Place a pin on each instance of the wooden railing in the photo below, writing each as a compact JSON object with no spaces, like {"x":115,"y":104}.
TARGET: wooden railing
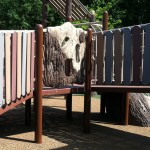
{"x":17,"y":59}
{"x":123,"y":59}
{"x":17,"y":65}
{"x":123,"y":56}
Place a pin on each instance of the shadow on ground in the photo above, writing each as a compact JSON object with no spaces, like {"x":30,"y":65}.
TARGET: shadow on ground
{"x":70,"y":133}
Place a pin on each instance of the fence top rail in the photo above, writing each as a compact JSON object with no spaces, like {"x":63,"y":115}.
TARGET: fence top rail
{"x":45,"y":30}
{"x":87,"y":23}
{"x":142,"y":25}
{"x":12,"y":31}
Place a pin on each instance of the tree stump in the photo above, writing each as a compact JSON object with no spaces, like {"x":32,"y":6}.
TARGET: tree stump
{"x":139,"y":113}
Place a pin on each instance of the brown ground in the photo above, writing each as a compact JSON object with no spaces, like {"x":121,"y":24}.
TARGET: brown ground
{"x":59,"y":134}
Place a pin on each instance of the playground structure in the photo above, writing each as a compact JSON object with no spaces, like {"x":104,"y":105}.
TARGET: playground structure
{"x":123,"y":61}
{"x":122,"y":66}
{"x":17,"y":70}
{"x":70,"y":10}
{"x":20,"y":50}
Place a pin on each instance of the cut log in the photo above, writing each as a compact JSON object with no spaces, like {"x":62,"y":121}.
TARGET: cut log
{"x":64,"y":48}
{"x":139,"y":109}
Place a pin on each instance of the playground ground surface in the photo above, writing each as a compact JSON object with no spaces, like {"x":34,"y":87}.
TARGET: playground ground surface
{"x":61,"y":134}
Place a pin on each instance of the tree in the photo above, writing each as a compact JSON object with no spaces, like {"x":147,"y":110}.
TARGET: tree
{"x":121,"y":12}
{"x":99,"y":6}
{"x":16,"y":14}
{"x":135,"y":11}
{"x":24,"y":14}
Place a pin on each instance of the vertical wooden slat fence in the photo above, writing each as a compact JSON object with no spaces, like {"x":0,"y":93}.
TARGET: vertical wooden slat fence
{"x":17,"y":70}
{"x":117,"y":57}
{"x":109,"y":57}
{"x":32,"y":59}
{"x":28,"y":75}
{"x":127,"y":52}
{"x":123,"y":56}
{"x":19,"y":63}
{"x":24,"y":61}
{"x":137,"y":54}
{"x":14,"y":66}
{"x":8,"y":67}
{"x":1,"y":68}
{"x":146,"y":56}
{"x":100,"y":58}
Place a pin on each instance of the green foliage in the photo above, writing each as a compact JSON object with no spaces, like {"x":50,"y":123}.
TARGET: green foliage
{"x":99,"y":6}
{"x":135,"y":11}
{"x":121,"y":12}
{"x":24,"y":14}
{"x":53,"y":17}
{"x":19,"y":14}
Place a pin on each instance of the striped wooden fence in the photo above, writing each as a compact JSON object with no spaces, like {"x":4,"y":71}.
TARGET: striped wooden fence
{"x":123,"y":56}
{"x":17,"y":73}
{"x":16,"y":65}
{"x":123,"y":60}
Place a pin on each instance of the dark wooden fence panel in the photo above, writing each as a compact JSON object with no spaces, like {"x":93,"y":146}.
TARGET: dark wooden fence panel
{"x":137,"y":54}
{"x":109,"y":58}
{"x":117,"y":57}
{"x":146,"y":56}
{"x":127,"y":60}
{"x":100,"y":58}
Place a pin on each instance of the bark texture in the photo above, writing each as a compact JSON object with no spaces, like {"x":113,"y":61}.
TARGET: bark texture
{"x":139,"y":109}
{"x":62,"y":44}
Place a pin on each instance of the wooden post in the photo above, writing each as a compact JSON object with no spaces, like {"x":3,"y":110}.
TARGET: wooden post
{"x":28,"y":112}
{"x":105,"y":27}
{"x":92,"y":19}
{"x":69,"y":10}
{"x":69,"y":106}
{"x":44,"y":13}
{"x":126,"y":110}
{"x":87,"y":93}
{"x":105,"y":20}
{"x":68,"y":63}
{"x":38,"y":86}
{"x":69,"y":19}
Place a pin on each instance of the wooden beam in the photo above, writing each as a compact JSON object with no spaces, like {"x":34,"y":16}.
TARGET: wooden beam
{"x":38,"y":86}
{"x":87,"y":94}
{"x":44,"y":13}
{"x":69,"y":10}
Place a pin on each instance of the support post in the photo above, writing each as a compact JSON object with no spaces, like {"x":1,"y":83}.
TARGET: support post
{"x":102,"y":104}
{"x":68,"y":63}
{"x":87,"y":93}
{"x":38,"y":86}
{"x":69,"y":19}
{"x":44,"y":13}
{"x":126,"y":110}
{"x":105,"y":27}
{"x":28,"y":112}
{"x":105,"y":20}
{"x":69,"y":106}
{"x":69,"y":10}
